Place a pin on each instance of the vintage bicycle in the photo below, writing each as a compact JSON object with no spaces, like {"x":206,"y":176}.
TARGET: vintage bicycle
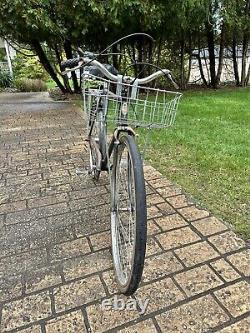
{"x":126,"y":103}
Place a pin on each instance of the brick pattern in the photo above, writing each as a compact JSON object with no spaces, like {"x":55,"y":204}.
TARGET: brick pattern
{"x":55,"y":259}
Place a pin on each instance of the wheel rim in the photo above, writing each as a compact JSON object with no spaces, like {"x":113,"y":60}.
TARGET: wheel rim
{"x":123,"y":217}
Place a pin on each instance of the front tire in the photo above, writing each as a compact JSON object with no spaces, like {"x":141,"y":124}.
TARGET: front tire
{"x":128,"y":215}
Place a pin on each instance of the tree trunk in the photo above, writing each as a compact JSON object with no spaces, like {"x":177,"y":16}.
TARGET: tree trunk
{"x":189,"y":69}
{"x":140,"y":57}
{"x":245,"y":43}
{"x":159,"y":48}
{"x":244,"y":60}
{"x":46,"y":64}
{"x":210,"y":43}
{"x":182,"y":65}
{"x":69,"y":55}
{"x":235,"y":63}
{"x":64,"y":77}
{"x":115,"y":56}
{"x":120,"y":57}
{"x":221,"y":55}
{"x":201,"y":68}
{"x":247,"y":76}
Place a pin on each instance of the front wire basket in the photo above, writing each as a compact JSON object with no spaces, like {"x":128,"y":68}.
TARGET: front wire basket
{"x":137,"y":107}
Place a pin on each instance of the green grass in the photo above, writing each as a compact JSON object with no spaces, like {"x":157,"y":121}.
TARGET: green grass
{"x":50,"y":84}
{"x":207,"y":152}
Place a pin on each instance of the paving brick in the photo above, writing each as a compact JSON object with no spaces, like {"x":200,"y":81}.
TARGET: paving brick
{"x":85,"y":228}
{"x":153,"y":212}
{"x":160,"y":265}
{"x":26,"y":310}
{"x":200,"y":315}
{"x":23,"y":180}
{"x":51,"y":235}
{"x":87,"y":264}
{"x":36,"y":213}
{"x":10,"y":287}
{"x":88,"y":192}
{"x":225,"y":270}
{"x":53,"y":190}
{"x":159,"y":182}
{"x":57,"y":173}
{"x":78,"y":293}
{"x":12,"y":206}
{"x":198,"y":280}
{"x":209,"y":226}
{"x":154,"y":199}
{"x":236,"y":298}
{"x":171,"y":222}
{"x":241,"y":260}
{"x":25,"y":261}
{"x":179,"y":201}
{"x":103,"y":319}
{"x":196,"y":253}
{"x":13,"y":174}
{"x":101,"y":240}
{"x":165,"y":208}
{"x":227,"y":242}
{"x":69,"y":249}
{"x":157,"y":298}
{"x":146,"y":326}
{"x":169,"y":191}
{"x":178,"y":237}
{"x":241,"y":326}
{"x":45,"y":277}
{"x":32,"y":329}
{"x":1,"y":220}
{"x":193,"y":213}
{"x":91,"y":202}
{"x":150,"y":173}
{"x":65,"y":219}
{"x":48,"y":200}
{"x":72,"y":322}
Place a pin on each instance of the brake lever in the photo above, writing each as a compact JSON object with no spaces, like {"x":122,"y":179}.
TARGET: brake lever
{"x":173,"y":82}
{"x":80,"y":51}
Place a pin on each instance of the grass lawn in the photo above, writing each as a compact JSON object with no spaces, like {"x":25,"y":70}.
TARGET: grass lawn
{"x":207,"y":152}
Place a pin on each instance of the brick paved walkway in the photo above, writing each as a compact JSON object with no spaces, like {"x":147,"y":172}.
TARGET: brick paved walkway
{"x":55,"y":262}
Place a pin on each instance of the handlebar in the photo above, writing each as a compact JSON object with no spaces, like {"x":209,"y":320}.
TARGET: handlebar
{"x":70,"y":63}
{"x":77,"y":63}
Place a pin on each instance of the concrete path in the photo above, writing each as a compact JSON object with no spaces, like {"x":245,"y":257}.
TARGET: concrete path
{"x":55,"y":261}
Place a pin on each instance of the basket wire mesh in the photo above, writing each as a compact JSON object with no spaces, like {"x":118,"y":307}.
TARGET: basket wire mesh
{"x":130,"y":105}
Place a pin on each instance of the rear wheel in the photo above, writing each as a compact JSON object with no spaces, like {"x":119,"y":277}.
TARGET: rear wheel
{"x":128,"y":216}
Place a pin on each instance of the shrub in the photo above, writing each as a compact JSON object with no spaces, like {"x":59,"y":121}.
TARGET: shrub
{"x":5,"y":79}
{"x":26,"y":85}
{"x":28,"y":68}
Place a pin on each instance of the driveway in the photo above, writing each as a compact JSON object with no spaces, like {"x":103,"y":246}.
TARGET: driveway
{"x":55,"y":260}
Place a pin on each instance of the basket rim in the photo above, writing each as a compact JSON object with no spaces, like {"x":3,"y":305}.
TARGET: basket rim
{"x":92,"y":77}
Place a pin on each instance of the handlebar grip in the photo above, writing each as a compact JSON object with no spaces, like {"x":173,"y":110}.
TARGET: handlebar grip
{"x":69,"y":63}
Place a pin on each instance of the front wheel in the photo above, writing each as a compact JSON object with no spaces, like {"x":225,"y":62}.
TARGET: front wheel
{"x":128,"y":215}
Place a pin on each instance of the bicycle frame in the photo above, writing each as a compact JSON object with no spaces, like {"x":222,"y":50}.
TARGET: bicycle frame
{"x":103,"y":163}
